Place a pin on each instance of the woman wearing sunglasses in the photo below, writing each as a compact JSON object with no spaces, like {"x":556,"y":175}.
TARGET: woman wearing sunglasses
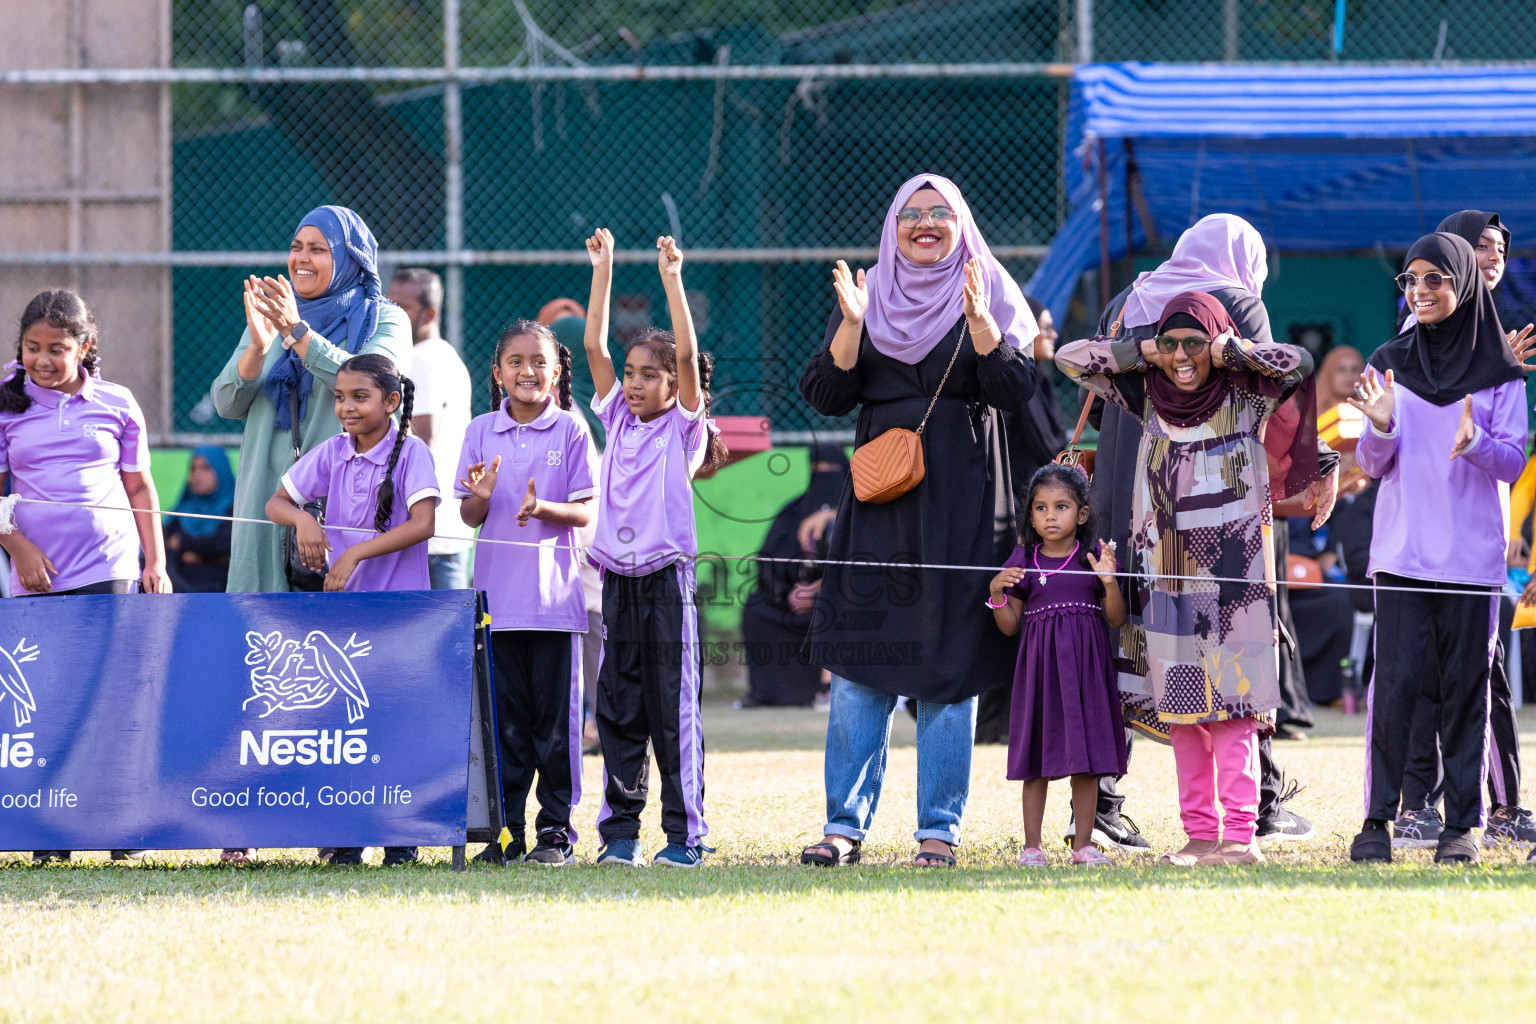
{"x":1200,"y":521}
{"x":1418,"y":823}
{"x":1224,"y":256}
{"x":1447,"y":410}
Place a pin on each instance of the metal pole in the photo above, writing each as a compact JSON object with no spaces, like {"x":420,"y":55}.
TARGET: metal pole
{"x":1084,"y":31}
{"x":1231,"y":28}
{"x":1104,"y":293}
{"x":453,"y":178}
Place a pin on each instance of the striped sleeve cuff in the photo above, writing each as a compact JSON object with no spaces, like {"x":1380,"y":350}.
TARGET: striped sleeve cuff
{"x":425,"y":492}
{"x":293,"y":492}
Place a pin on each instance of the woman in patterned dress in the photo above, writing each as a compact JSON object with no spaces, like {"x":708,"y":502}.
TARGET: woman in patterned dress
{"x":1200,"y":545}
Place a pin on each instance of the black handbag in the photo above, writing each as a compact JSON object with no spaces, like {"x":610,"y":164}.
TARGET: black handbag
{"x":300,"y":576}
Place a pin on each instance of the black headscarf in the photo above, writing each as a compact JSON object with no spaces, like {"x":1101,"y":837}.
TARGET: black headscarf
{"x":1466,"y":352}
{"x":1469,"y":224}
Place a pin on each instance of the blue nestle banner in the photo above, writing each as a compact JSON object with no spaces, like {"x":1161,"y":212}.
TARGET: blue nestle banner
{"x":198,"y":721}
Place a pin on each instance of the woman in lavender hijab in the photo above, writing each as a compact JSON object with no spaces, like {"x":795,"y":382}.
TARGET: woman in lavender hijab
{"x":936,"y":295}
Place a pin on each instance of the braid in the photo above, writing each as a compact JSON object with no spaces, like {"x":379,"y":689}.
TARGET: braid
{"x":717,"y":453}
{"x":386,"y":507}
{"x":563,"y":385}
{"x":496,"y":393}
{"x":13,"y":393}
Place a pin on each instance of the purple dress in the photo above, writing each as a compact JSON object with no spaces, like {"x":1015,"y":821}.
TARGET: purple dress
{"x":1066,"y":701}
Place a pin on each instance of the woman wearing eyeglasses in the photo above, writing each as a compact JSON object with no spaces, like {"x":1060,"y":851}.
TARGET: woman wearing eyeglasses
{"x":936,"y":316}
{"x":1418,"y":821}
{"x":1447,"y":409}
{"x":1200,"y":544}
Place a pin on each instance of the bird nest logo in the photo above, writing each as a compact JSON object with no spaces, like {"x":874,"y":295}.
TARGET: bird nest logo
{"x":287,"y":675}
{"x":14,"y":683}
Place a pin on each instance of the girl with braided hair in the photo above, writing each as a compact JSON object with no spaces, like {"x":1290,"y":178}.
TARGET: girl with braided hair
{"x":372,"y":456}
{"x":371,"y":544}
{"x":68,"y":436}
{"x":533,"y":584}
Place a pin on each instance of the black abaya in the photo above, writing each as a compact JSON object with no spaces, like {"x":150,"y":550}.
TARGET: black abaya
{"x":922,"y":633}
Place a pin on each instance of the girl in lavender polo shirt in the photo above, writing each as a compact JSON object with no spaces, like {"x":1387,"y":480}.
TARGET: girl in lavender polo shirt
{"x":1447,"y":409}
{"x":380,"y":490}
{"x":68,"y":436}
{"x":538,"y":609}
{"x":648,"y":686}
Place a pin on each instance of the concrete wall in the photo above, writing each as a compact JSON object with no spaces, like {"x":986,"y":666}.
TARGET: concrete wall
{"x":87,"y":168}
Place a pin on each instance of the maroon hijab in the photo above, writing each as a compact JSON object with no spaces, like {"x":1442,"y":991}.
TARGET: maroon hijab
{"x":1174,"y":404}
{"x":1289,"y":435}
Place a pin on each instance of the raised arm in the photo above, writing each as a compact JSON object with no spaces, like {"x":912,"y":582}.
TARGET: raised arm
{"x":1285,"y":365}
{"x":238,"y":384}
{"x":669,"y":261}
{"x":595,"y":340}
{"x":1376,"y":398}
{"x":1095,"y":362}
{"x":853,"y":301}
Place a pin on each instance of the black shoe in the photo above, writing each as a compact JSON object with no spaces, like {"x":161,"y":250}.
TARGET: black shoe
{"x":128,"y":854}
{"x":44,"y":856}
{"x":552,"y":850}
{"x":1283,"y":825}
{"x":1456,"y":847}
{"x":1112,"y":832}
{"x":394,"y":856}
{"x":346,"y":857}
{"x":492,"y":854}
{"x":1372,"y":846}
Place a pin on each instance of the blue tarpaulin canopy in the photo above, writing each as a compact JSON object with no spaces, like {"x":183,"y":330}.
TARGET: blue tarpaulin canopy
{"x":1318,"y":158}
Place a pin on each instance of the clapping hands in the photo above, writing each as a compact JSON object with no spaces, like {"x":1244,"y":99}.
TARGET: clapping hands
{"x":1375,"y":399}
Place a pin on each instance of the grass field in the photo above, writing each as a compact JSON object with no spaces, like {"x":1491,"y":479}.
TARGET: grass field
{"x":754,"y":936}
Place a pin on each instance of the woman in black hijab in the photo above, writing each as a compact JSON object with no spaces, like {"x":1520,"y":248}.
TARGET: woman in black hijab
{"x":1447,"y":386}
{"x":1419,"y":822}
{"x":777,"y":615}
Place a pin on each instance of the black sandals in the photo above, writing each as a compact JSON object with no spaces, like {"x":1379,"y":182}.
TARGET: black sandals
{"x":828,"y":854}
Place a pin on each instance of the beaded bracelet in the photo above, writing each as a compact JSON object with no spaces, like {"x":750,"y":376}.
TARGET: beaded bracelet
{"x":997,"y":606}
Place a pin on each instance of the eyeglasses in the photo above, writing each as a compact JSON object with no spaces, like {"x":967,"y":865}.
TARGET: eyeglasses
{"x":912,"y":215}
{"x":1432,"y":280}
{"x":1192,"y":346}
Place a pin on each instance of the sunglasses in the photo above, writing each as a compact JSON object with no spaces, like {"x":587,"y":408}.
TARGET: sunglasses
{"x":1432,"y":280}
{"x":1192,"y":346}
{"x":912,"y":215}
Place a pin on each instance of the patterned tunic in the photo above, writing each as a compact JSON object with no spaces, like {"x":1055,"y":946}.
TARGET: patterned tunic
{"x":1201,"y":509}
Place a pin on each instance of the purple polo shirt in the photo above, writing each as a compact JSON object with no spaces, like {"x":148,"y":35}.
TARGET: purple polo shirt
{"x":530,"y":587}
{"x":1439,"y":518}
{"x":75,"y":448}
{"x":350,"y":484}
{"x":645,"y":518}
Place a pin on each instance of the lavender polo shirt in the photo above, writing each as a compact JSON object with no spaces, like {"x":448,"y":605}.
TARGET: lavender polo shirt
{"x":1439,"y":518}
{"x":645,"y":518}
{"x":350,"y":484}
{"x":530,"y":587}
{"x":75,"y":448}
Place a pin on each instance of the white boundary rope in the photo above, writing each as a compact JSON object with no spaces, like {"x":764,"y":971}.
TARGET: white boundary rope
{"x":1487,"y":591}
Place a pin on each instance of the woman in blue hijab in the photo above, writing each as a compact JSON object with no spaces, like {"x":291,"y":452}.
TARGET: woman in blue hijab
{"x":198,"y":549}
{"x":299,"y":329}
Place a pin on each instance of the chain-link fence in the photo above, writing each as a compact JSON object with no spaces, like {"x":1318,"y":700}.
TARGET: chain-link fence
{"x":486,"y":138}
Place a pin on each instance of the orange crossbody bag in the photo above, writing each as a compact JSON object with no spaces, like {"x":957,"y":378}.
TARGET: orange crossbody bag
{"x":890,"y":465}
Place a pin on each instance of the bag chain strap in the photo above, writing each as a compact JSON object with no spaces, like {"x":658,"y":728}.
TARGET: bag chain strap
{"x":965,"y":331}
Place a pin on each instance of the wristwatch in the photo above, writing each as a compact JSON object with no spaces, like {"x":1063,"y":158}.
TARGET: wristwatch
{"x":296,"y":335}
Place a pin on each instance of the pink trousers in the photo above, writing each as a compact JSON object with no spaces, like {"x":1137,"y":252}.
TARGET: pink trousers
{"x":1218,"y":760}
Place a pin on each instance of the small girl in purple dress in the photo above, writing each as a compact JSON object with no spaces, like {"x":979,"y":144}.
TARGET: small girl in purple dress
{"x":1066,"y":702}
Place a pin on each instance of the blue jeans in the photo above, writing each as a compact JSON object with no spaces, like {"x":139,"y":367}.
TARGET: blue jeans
{"x":447,"y":572}
{"x":858,"y":739}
